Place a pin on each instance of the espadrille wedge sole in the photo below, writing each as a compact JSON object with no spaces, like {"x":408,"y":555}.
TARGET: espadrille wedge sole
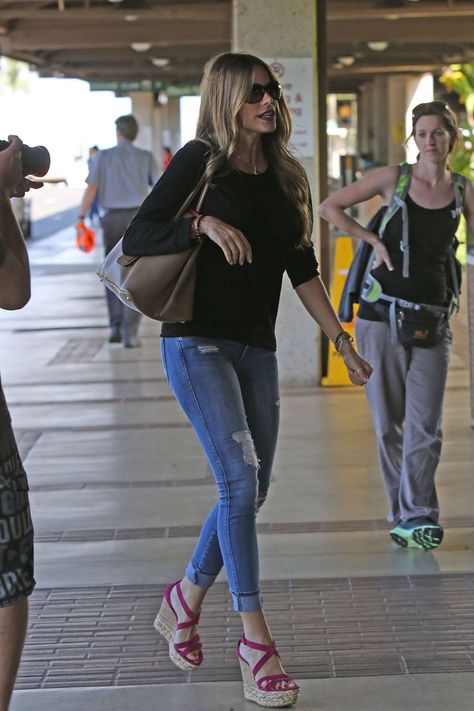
{"x":265,"y":691}
{"x":166,"y":623}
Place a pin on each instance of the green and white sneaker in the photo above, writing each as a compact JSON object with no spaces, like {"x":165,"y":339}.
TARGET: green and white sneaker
{"x":417,"y":533}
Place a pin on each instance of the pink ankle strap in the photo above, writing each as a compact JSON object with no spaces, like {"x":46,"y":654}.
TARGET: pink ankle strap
{"x":184,"y":605}
{"x":266,"y":683}
{"x":269,"y":649}
{"x":194,"y":618}
{"x":257,"y":646}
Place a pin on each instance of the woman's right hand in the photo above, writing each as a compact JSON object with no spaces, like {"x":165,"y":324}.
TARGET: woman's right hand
{"x":235,"y":246}
{"x":381,"y":255}
{"x":358,"y":369}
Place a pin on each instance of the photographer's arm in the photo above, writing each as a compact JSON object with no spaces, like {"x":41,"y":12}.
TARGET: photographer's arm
{"x":14,"y":265}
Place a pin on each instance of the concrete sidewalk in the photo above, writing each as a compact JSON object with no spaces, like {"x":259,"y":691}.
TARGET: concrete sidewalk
{"x":119,"y":488}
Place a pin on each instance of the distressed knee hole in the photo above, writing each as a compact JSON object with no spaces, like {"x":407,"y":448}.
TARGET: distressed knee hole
{"x":244,"y":438}
{"x":277,"y":403}
{"x":208,"y":348}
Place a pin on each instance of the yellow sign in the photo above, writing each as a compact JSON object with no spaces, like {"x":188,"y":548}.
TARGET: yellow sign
{"x":337,"y":371}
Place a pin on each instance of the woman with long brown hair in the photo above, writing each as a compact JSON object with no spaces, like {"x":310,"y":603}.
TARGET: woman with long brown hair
{"x":255,"y":224}
{"x":409,"y":291}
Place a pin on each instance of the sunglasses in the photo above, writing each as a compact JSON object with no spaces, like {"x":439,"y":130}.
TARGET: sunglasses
{"x":258,"y":91}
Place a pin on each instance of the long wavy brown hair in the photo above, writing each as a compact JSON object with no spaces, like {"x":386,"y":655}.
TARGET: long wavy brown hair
{"x":225,"y":87}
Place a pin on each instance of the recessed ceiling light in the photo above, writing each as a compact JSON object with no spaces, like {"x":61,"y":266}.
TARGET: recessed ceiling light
{"x":347,"y":60}
{"x":141,"y":46}
{"x":379,"y":46}
{"x":115,"y":0}
{"x":160,"y":61}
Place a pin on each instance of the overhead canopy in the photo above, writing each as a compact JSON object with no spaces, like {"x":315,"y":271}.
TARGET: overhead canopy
{"x":168,"y":41}
{"x":103,"y":40}
{"x":407,"y":36}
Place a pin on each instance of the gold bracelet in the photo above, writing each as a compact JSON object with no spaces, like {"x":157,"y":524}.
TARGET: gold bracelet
{"x":341,"y":338}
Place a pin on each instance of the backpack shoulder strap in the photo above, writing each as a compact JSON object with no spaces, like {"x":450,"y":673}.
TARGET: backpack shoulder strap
{"x":399,"y":195}
{"x":398,"y":203}
{"x":459,"y":183}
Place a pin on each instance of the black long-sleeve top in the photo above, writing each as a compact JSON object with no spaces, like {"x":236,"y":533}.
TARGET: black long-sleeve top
{"x":232,"y":302}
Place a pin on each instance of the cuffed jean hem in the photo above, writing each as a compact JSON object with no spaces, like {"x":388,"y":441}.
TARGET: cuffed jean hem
{"x":196,"y":576}
{"x":247,"y":603}
{"x":241,"y":603}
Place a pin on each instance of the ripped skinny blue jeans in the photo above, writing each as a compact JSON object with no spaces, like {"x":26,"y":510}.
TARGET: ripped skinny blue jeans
{"x":229,"y":392}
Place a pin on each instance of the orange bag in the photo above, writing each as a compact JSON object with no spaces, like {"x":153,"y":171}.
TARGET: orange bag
{"x":85,"y":240}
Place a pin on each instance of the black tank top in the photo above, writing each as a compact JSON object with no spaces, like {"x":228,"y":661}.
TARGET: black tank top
{"x":430,"y":236}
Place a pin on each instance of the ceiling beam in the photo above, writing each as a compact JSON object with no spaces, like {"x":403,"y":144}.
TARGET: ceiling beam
{"x":422,"y":11}
{"x":108,"y":55}
{"x":195,"y":12}
{"x":431,"y":30}
{"x":363,"y":70}
{"x":183,"y":74}
{"x":76,"y":37}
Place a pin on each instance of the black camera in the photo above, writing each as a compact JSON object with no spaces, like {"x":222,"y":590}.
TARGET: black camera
{"x":34,"y":161}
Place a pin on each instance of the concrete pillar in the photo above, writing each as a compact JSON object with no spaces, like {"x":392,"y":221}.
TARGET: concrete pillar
{"x":169,"y":125}
{"x":166,"y":128}
{"x":159,"y":123}
{"x":278,"y":30}
{"x":396,"y":110}
{"x":418,"y":89}
{"x":364,"y":120}
{"x":143,"y":107}
{"x":380,"y":134}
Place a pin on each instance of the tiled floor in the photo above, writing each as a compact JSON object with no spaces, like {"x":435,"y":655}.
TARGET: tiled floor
{"x":341,"y":627}
{"x":118,"y":490}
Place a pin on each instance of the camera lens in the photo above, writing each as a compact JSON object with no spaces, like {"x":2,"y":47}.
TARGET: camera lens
{"x":34,"y":161}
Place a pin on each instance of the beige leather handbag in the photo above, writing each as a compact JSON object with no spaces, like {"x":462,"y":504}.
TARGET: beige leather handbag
{"x":160,"y":286}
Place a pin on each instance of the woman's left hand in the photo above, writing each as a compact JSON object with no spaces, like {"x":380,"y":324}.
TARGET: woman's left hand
{"x":358,"y":368}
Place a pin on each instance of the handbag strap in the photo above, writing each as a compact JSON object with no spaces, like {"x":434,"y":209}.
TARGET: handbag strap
{"x":203,"y":185}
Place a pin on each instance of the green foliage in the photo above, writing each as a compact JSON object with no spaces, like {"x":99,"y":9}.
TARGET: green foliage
{"x":13,"y":75}
{"x":459,"y":78}
{"x":461,"y":159}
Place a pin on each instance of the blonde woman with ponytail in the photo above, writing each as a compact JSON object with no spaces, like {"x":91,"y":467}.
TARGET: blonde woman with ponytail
{"x":255,"y":224}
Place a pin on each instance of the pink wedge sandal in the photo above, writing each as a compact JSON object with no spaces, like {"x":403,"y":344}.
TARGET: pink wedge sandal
{"x":265,"y":691}
{"x":166,"y":623}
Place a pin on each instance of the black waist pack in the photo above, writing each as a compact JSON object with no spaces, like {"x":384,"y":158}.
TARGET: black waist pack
{"x":415,"y":327}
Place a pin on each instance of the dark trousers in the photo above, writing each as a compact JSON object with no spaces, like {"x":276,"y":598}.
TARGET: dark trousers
{"x":114,"y":224}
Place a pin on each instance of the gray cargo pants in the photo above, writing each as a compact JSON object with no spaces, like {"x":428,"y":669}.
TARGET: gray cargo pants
{"x":114,"y":224}
{"x":405,"y":394}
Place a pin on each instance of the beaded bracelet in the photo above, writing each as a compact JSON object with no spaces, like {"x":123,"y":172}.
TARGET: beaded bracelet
{"x":342,"y":337}
{"x":196,"y":225}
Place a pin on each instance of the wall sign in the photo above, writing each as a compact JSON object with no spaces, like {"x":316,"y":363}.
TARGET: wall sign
{"x":296,"y":77}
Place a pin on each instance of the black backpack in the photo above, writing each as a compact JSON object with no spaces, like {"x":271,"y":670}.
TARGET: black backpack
{"x":362,"y":262}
